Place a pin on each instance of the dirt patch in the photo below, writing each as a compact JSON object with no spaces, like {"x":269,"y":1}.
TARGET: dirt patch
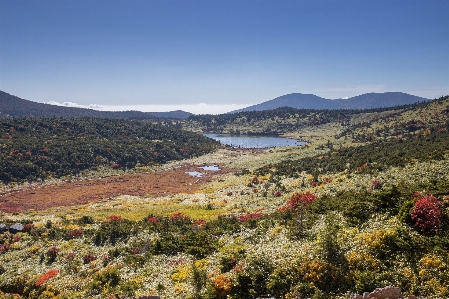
{"x":159,"y":183}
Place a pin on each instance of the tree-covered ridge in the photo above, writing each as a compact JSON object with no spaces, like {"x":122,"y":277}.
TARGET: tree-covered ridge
{"x":409,"y":122}
{"x":39,"y":148}
{"x":286,"y":119}
{"x":12,"y":106}
{"x":371,"y":158}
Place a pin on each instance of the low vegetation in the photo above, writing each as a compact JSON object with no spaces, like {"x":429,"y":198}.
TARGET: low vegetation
{"x":344,"y":214}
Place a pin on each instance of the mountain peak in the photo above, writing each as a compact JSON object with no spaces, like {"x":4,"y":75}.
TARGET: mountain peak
{"x":311,"y":101}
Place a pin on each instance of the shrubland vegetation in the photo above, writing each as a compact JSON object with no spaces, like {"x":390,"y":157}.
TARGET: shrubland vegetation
{"x":351,"y":211}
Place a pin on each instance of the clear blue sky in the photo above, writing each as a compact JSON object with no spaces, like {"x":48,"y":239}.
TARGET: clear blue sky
{"x":220,"y":52}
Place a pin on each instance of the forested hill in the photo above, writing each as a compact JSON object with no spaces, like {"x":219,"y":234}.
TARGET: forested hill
{"x":39,"y":148}
{"x":281,"y":120}
{"x":12,"y":106}
{"x":364,"y":101}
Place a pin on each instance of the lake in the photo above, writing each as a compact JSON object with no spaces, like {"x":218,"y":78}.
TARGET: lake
{"x":254,"y":141}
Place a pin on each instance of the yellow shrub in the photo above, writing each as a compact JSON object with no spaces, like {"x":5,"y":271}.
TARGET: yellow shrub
{"x":361,"y":260}
{"x":182,"y":273}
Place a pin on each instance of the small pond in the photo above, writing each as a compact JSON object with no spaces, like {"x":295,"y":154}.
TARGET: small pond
{"x":210,"y":167}
{"x":195,"y":174}
{"x":206,"y":168}
{"x":254,"y":141}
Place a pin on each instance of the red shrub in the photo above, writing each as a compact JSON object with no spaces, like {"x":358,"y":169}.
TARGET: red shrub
{"x":28,"y":227}
{"x":153,"y":220}
{"x":200,"y":222}
{"x":46,"y":277}
{"x":89,"y":258}
{"x":255,"y":180}
{"x":300,"y":200}
{"x":4,"y":247}
{"x":134,"y":251}
{"x":249,"y":216}
{"x":375,"y":185}
{"x":74,"y":233}
{"x":426,"y":214}
{"x":179,"y":216}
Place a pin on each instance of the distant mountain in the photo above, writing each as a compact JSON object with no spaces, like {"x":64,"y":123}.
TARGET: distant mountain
{"x":12,"y":106}
{"x":310,"y":101}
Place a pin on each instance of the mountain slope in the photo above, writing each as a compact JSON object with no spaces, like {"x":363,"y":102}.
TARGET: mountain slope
{"x":12,"y":106}
{"x":310,"y":101}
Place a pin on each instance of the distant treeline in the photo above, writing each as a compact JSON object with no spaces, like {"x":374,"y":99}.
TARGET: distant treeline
{"x":38,"y":148}
{"x":282,"y":120}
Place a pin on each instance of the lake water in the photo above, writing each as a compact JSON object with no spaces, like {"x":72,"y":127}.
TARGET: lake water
{"x":254,"y":141}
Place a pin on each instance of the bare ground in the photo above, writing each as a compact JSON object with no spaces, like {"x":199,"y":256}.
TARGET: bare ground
{"x":163,"y":182}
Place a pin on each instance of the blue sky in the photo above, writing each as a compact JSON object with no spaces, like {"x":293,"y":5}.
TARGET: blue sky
{"x":168,"y":54}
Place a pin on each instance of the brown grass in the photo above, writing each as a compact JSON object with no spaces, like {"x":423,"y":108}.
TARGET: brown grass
{"x":158,"y":183}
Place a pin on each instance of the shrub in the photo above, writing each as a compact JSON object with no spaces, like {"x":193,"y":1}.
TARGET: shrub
{"x":222,"y":285}
{"x":74,"y":233}
{"x":200,"y":222}
{"x":86,"y":220}
{"x":153,"y":220}
{"x":89,"y":258}
{"x":113,"y":218}
{"x":179,"y":217}
{"x":114,"y":228}
{"x":250,"y":216}
{"x":52,"y":253}
{"x":107,"y":278}
{"x":375,"y":184}
{"x":426,"y":215}
{"x":4,"y":247}
{"x":28,"y":227}
{"x":299,"y":201}
{"x":46,"y":277}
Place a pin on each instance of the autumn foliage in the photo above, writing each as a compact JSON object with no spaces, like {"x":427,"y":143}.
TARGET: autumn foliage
{"x":46,"y":277}
{"x":427,"y":215}
{"x":299,"y":200}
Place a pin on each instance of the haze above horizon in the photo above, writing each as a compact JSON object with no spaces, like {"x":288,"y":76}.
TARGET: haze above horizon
{"x":220,"y":54}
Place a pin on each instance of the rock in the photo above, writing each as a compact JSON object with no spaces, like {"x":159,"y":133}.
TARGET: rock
{"x":389,"y":292}
{"x":356,"y":296}
{"x":3,"y":228}
{"x":15,"y":228}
